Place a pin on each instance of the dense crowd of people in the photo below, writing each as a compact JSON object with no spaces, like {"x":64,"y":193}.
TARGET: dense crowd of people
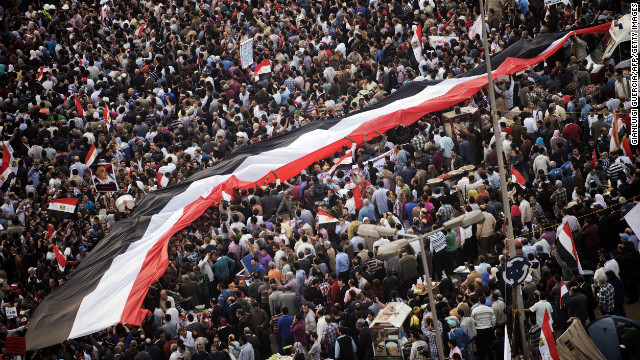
{"x":179,"y":101}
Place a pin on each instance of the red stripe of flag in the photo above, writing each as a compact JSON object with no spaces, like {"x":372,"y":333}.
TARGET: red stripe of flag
{"x":519,"y":178}
{"x":65,"y":201}
{"x":141,"y":30}
{"x":106,"y":116}
{"x":266,"y":65}
{"x":550,"y":350}
{"x":41,"y":74}
{"x":62,"y":261}
{"x":79,"y":108}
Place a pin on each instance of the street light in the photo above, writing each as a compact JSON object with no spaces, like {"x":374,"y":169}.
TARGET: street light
{"x":394,"y":248}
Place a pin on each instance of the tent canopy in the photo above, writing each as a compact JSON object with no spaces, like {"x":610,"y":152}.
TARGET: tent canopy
{"x":605,"y":336}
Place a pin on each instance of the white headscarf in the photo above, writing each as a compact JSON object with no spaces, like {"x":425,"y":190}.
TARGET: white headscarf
{"x":599,"y":201}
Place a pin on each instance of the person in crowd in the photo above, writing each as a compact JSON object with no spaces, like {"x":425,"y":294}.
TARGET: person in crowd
{"x":163,"y":93}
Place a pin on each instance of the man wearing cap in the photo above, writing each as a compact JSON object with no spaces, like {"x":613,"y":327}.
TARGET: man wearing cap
{"x":82,"y":254}
{"x":460,"y":336}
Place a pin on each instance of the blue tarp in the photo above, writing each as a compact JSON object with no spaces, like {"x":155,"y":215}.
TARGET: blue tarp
{"x":605,"y":336}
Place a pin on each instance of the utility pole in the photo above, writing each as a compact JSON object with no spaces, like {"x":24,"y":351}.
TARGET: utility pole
{"x":432,"y":303}
{"x":503,"y":182}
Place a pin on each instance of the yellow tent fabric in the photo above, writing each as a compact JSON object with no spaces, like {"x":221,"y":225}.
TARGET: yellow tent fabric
{"x":576,"y":344}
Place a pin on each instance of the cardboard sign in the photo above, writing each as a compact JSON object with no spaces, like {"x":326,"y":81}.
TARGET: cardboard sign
{"x":11,"y":312}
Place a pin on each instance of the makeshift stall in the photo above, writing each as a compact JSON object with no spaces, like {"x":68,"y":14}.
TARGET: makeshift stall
{"x":459,"y":118}
{"x":385,"y":331}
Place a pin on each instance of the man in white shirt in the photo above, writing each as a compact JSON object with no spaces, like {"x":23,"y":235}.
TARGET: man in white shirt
{"x":530,"y":124}
{"x":540,"y":307}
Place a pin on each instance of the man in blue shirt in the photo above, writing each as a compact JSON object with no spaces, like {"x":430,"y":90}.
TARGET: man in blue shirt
{"x":221,"y":266}
{"x":342,"y":263}
{"x":408,"y":208}
{"x":284,"y":329}
{"x":367,"y":211}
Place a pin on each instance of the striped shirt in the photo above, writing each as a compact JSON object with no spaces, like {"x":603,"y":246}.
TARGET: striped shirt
{"x":484,"y":317}
{"x":613,"y":170}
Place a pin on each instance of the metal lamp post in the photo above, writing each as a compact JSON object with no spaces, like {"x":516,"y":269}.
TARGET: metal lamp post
{"x":393,"y":249}
{"x":503,"y":180}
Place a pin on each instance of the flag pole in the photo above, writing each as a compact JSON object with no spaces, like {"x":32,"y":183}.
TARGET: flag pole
{"x":503,"y":182}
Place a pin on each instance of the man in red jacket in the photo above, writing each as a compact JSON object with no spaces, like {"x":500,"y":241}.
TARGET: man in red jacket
{"x":572,"y":131}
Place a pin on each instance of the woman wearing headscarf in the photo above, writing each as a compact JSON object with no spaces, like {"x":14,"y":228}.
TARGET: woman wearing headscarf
{"x":473,"y":193}
{"x":599,"y":200}
{"x":555,"y":139}
{"x":516,"y":215}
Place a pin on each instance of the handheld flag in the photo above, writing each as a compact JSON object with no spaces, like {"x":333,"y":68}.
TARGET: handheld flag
{"x":476,"y":29}
{"x":357,"y":196}
{"x":107,"y":116}
{"x":507,"y":346}
{"x":563,"y":290}
{"x":566,"y":239}
{"x":79,"y":108}
{"x":518,"y":176}
{"x":262,"y":68}
{"x":324,"y":218}
{"x":41,"y":74}
{"x":416,"y":43}
{"x":141,"y":30}
{"x":626,"y":147}
{"x":547,"y":347}
{"x":347,"y":159}
{"x":198,"y":60}
{"x":7,"y":172}
{"x":594,"y":159}
{"x":62,"y":261}
{"x":62,"y":208}
{"x":163,"y":180}
{"x":91,"y":156}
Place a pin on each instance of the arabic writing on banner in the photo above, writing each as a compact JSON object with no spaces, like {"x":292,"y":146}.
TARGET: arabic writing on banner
{"x":246,"y":53}
{"x":553,"y":2}
{"x":435,"y":41}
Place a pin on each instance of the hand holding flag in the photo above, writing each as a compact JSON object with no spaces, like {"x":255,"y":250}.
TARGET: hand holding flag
{"x":91,"y":156}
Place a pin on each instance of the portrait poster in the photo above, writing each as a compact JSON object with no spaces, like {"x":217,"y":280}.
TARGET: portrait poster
{"x":104,"y":177}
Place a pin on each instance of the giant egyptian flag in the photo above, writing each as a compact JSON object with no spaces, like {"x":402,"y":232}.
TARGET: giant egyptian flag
{"x":111,"y":283}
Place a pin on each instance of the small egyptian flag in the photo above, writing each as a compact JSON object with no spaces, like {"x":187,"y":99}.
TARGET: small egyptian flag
{"x":92,"y":155}
{"x":323,"y":217}
{"x":515,"y":174}
{"x":163,"y":180}
{"x":62,"y":208}
{"x":107,"y":116}
{"x":41,"y":74}
{"x":62,"y":261}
